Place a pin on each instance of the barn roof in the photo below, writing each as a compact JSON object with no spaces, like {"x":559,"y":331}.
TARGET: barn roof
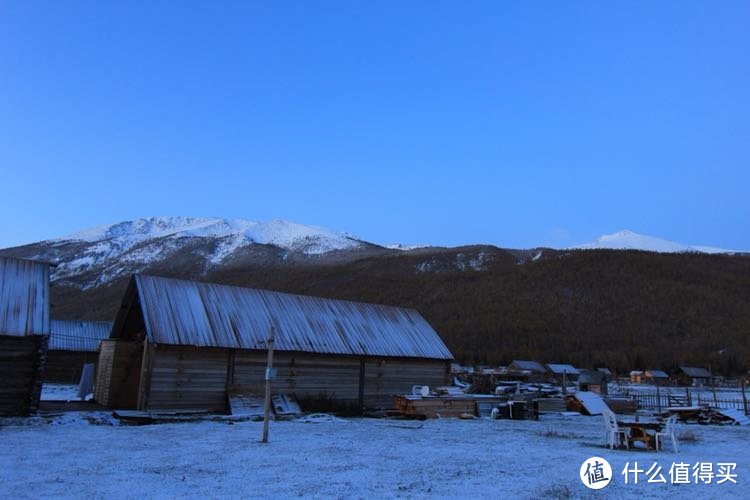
{"x":591,"y":377}
{"x":559,"y":369}
{"x":24,"y":297}
{"x":694,"y":372}
{"x":66,"y":335}
{"x":181,"y":312}
{"x":532,"y":366}
{"x":656,"y":374}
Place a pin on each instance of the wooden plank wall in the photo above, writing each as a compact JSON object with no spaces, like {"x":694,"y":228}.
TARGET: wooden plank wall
{"x":387,"y":377}
{"x":21,"y":368}
{"x":118,"y":373}
{"x":66,"y":366}
{"x":317,"y":378}
{"x":188,"y":378}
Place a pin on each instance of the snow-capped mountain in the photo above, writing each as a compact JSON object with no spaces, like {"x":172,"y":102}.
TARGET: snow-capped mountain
{"x":107,"y":252}
{"x":628,"y":240}
{"x":235,"y":233}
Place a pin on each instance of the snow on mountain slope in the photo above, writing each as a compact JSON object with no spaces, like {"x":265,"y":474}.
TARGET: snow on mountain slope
{"x":284,"y":234}
{"x":628,"y":240}
{"x":129,"y":246}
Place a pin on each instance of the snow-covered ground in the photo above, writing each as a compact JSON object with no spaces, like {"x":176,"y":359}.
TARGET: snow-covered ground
{"x":59,"y":392}
{"x":89,"y":455}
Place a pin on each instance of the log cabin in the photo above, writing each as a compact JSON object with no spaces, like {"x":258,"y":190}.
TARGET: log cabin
{"x":24,"y":331}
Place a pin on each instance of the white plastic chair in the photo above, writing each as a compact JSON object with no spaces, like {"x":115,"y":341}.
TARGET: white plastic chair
{"x":613,"y":434}
{"x":668,"y":432}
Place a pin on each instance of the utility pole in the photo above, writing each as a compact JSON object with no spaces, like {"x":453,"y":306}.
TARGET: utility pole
{"x":269,"y":376}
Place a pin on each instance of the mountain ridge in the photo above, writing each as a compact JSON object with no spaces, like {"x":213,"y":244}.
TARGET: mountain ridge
{"x":615,"y":308}
{"x":630,"y":240}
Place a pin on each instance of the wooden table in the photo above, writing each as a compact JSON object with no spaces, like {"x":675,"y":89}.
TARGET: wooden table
{"x":643,"y":430}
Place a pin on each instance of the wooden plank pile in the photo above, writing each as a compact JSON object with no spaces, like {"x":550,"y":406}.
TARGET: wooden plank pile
{"x":435,"y":406}
{"x":550,"y":405}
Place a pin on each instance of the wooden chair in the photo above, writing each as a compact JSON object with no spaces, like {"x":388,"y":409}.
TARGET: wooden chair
{"x":668,"y":432}
{"x":613,"y":434}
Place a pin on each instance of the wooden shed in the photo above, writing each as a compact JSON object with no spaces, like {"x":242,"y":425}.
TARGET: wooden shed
{"x":692,"y":375}
{"x":72,"y":344}
{"x":655,"y":376}
{"x":593,"y":381}
{"x":24,"y":330}
{"x":187,"y":345}
{"x":561,"y":371}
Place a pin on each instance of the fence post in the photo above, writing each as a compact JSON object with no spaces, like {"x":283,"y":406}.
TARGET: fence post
{"x":658,"y":398}
{"x":744,"y":397}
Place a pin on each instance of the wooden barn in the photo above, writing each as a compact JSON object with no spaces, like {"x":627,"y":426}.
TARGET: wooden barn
{"x":72,"y":344}
{"x":187,"y":345}
{"x":24,"y":330}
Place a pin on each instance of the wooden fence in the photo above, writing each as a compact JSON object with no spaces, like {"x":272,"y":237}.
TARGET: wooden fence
{"x":688,"y":398}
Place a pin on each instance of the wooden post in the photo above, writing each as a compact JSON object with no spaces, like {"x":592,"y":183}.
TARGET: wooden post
{"x":269,"y":372}
{"x":744,"y":397}
{"x":713,"y":389}
{"x":361,"y":388}
{"x":658,"y":397}
{"x":564,"y":382}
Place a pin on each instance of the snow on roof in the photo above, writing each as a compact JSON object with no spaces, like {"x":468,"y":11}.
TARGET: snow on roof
{"x":24,"y":297}
{"x":532,"y":366}
{"x":695,"y":372}
{"x":559,"y":369}
{"x":656,"y":374}
{"x":66,"y":335}
{"x":592,"y":402}
{"x":181,"y":312}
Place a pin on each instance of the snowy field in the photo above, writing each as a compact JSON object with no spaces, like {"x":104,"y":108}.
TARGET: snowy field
{"x":91,"y":455}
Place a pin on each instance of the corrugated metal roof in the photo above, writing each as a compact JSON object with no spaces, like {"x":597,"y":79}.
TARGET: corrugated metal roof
{"x":24,"y":297}
{"x":695,"y":372}
{"x":205,"y":314}
{"x":77,"y":335}
{"x":559,"y":369}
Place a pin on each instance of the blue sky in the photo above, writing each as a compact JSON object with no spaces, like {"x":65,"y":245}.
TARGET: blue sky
{"x":518,"y":124}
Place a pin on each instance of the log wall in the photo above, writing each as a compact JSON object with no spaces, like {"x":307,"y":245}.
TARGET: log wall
{"x":21,"y":368}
